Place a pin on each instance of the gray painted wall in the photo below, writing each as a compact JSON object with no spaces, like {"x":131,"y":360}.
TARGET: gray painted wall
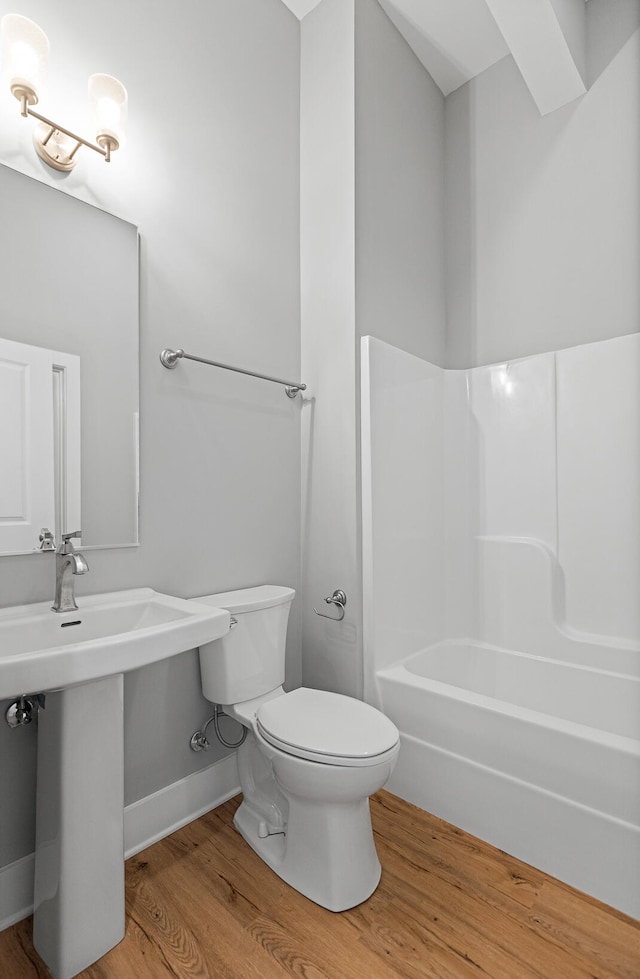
{"x":543,"y":240}
{"x":210,"y":175}
{"x":399,"y":139}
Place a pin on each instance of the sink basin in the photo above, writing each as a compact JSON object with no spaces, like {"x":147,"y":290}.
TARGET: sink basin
{"x":112,"y":633}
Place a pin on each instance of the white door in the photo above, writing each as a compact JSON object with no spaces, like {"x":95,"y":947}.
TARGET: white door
{"x":26,"y":445}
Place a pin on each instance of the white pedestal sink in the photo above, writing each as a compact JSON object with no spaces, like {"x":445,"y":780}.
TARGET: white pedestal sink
{"x":78,"y":658}
{"x":79,"y":875}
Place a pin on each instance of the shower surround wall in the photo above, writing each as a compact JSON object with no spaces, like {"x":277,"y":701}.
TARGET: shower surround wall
{"x":501,"y":533}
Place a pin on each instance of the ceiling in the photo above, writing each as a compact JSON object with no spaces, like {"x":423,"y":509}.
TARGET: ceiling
{"x":301,"y":7}
{"x":454,"y":39}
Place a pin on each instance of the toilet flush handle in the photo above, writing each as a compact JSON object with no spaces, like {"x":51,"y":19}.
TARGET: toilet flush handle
{"x":339,"y":599}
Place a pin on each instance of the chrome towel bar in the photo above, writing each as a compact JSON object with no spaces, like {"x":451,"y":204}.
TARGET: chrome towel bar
{"x":169,"y":359}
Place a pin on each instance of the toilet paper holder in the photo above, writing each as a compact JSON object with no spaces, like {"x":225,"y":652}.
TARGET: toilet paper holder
{"x":339,"y":599}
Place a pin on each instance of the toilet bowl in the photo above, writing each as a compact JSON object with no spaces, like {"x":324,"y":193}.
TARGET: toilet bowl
{"x":310,"y":760}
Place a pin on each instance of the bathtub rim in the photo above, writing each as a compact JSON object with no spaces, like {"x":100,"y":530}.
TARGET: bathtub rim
{"x":482,"y":644}
{"x":398,"y":673}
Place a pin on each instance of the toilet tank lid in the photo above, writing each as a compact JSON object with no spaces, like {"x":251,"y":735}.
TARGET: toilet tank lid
{"x":249,"y":599}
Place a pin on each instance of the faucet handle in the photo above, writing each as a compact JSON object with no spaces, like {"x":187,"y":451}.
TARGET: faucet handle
{"x":47,"y":543}
{"x":65,"y":546}
{"x":74,"y":533}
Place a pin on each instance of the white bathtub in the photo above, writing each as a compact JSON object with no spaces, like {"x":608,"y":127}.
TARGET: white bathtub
{"x":539,"y":757}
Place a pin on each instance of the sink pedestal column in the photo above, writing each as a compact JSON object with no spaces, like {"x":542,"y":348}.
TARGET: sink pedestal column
{"x":79,"y":875}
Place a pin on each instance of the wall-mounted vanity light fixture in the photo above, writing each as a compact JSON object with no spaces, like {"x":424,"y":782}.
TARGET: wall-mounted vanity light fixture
{"x":23,"y":56}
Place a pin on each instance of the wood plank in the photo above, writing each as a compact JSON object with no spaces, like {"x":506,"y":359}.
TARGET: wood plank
{"x":17,"y":954}
{"x":576,"y":921}
{"x":327,"y":938}
{"x":202,"y":905}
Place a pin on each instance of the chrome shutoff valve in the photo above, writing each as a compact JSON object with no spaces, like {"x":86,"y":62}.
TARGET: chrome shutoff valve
{"x":22,"y":710}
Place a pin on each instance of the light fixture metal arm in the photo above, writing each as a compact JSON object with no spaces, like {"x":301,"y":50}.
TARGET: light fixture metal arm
{"x":56,"y":127}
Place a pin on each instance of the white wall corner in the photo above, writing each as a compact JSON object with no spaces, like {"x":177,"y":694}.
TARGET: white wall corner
{"x":548,"y":42}
{"x":332,"y":653}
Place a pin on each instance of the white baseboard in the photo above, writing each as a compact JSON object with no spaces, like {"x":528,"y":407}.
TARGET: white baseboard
{"x":145,"y":822}
{"x":16,"y":890}
{"x":158,"y":815}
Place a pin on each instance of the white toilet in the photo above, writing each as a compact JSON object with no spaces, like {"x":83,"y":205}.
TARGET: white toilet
{"x":310,"y":760}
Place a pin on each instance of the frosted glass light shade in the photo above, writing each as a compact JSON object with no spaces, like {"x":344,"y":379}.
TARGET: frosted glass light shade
{"x":108,"y":103}
{"x":24,"y":56}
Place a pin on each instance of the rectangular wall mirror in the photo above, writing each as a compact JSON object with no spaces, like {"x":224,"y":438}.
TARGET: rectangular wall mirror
{"x":69,"y":398}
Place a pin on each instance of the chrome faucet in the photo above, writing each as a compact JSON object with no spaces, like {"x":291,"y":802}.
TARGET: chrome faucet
{"x":68,"y":562}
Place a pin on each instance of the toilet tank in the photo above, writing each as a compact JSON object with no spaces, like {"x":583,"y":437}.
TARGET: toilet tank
{"x":249,"y":660}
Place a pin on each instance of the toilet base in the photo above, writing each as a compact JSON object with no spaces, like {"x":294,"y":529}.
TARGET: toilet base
{"x":326,"y":853}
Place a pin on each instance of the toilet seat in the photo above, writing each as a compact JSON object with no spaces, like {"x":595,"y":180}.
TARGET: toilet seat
{"x":327,"y":727}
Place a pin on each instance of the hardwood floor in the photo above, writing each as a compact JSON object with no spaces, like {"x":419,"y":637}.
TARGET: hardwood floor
{"x":201,"y":904}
